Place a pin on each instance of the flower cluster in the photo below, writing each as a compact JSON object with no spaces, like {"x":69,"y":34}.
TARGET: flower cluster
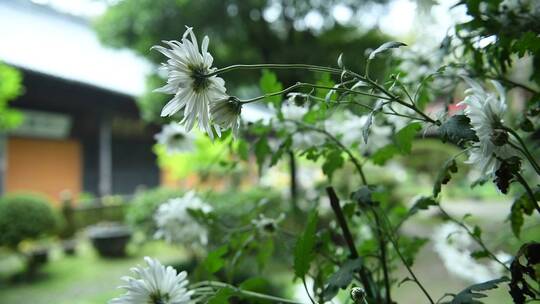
{"x":200,"y":95}
{"x":155,"y":284}
{"x":175,"y":223}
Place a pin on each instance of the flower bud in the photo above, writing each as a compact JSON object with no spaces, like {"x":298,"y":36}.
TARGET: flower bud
{"x":358,"y":295}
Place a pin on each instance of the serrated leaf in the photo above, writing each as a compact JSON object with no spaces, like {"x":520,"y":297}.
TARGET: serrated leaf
{"x":269,"y":84}
{"x":507,"y":171}
{"x":332,"y":162}
{"x":444,"y":176}
{"x":214,"y":260}
{"x":385,"y":47}
{"x":458,"y":130}
{"x":405,"y":136}
{"x":222,"y":296}
{"x":342,"y":278}
{"x":262,"y":150}
{"x":303,"y":251}
{"x":522,"y":205}
{"x":470,"y":294}
{"x":381,"y":156}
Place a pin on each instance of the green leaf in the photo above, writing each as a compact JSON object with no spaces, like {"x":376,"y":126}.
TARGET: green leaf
{"x":444,"y":176}
{"x":479,"y":254}
{"x":410,"y":247}
{"x":405,"y":136}
{"x":385,"y":47}
{"x":507,"y":171}
{"x":303,"y":251}
{"x":269,"y":84}
{"x":262,"y":150}
{"x":243,"y":149}
{"x":522,"y":205}
{"x":342,"y":278}
{"x":214,"y":261}
{"x":222,"y":296}
{"x":332,"y":162}
{"x":470,"y":294}
{"x":381,"y":156}
{"x":324,"y":80}
{"x":458,"y":130}
{"x":264,"y":252}
{"x":528,"y":43}
{"x":477,"y":232}
{"x":422,"y":203}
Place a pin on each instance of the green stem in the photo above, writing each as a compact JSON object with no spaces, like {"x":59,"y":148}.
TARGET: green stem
{"x":396,"y":247}
{"x":382,"y":248}
{"x":307,"y":85}
{"x":248,"y":293}
{"x":394,"y":97}
{"x":525,"y":151}
{"x":275,"y":66}
{"x":530,"y":193}
{"x":340,"y":145}
{"x":471,"y":234}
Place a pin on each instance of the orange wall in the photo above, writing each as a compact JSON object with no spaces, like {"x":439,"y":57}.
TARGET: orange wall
{"x":44,"y":166}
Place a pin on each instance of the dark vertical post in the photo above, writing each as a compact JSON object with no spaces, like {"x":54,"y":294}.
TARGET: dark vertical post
{"x":105,"y":155}
{"x":3,"y":162}
{"x":294,"y":181}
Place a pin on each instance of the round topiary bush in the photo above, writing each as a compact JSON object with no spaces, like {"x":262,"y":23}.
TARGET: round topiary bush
{"x":25,"y":216}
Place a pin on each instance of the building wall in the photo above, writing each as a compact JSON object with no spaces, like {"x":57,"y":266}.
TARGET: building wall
{"x":46,"y":166}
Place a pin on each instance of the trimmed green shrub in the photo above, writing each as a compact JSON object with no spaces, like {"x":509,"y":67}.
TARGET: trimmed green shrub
{"x":25,"y":216}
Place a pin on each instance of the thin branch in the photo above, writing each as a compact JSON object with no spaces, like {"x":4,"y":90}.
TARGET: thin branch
{"x":334,"y":203}
{"x":353,"y":159}
{"x":478,"y":240}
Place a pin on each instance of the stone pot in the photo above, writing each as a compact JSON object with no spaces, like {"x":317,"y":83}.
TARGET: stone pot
{"x":110,"y":240}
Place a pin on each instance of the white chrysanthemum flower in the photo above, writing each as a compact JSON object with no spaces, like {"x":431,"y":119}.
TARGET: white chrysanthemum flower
{"x":175,"y":138}
{"x":155,"y":284}
{"x":176,"y":225}
{"x":267,"y":225}
{"x":193,"y":91}
{"x":226,"y":114}
{"x":485,"y":110}
{"x":452,"y":243}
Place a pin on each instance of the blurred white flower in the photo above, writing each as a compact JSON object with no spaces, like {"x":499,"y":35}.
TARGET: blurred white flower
{"x":452,"y":243}
{"x":225,"y":113}
{"x":155,"y":284}
{"x":193,"y":91}
{"x":175,"y":138}
{"x":176,"y":225}
{"x":267,"y":225}
{"x":301,"y":139}
{"x":305,"y":139}
{"x":349,"y":127}
{"x":485,"y":110}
